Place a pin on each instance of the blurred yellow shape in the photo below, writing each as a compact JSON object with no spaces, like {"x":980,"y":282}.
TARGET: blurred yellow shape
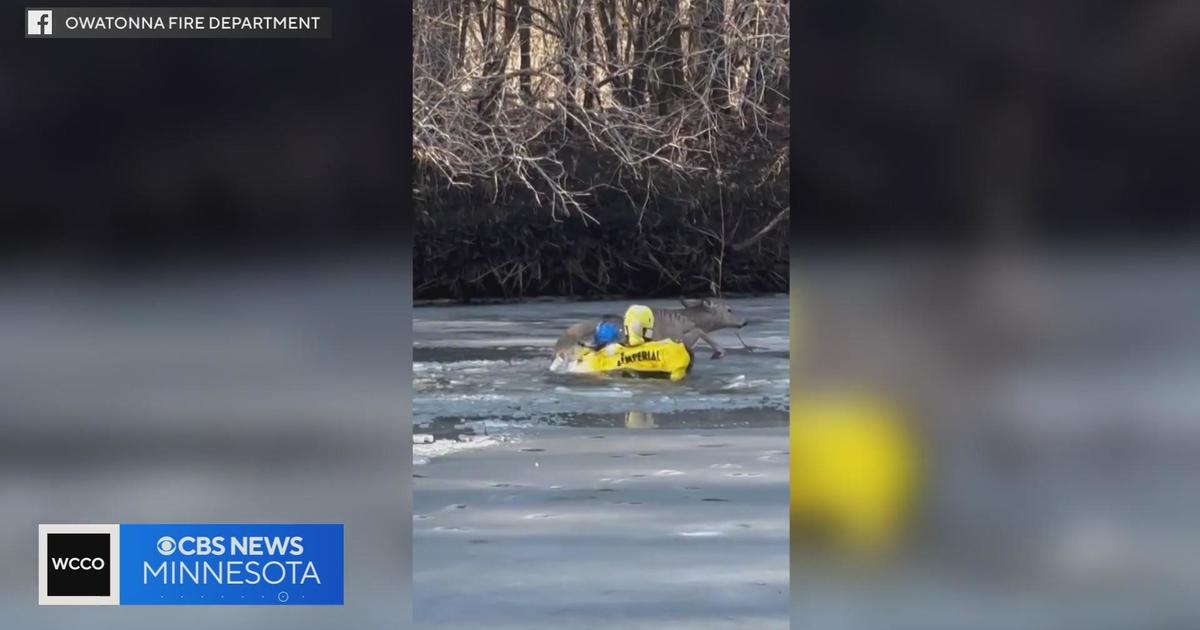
{"x":854,"y":467}
{"x":639,"y":420}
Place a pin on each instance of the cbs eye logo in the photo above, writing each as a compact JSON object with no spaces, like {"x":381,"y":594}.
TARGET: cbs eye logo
{"x":165,"y":545}
{"x":78,"y":564}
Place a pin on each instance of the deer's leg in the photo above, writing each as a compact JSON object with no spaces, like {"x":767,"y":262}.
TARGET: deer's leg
{"x":694,"y":335}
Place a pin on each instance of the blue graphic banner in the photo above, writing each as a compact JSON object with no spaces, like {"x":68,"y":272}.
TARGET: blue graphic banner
{"x":227,"y":564}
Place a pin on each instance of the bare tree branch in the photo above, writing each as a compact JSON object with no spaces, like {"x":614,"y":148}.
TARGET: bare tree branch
{"x":757,"y":236}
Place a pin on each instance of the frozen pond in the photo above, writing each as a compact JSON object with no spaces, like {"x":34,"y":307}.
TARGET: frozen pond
{"x":560,"y":500}
{"x":490,"y":362}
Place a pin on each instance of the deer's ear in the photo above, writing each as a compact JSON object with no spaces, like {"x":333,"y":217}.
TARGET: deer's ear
{"x":706,"y":303}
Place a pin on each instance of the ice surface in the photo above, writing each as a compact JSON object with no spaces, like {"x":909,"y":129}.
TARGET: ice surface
{"x":604,"y":528}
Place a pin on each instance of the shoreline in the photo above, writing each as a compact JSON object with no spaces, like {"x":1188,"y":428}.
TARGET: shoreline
{"x":560,"y":299}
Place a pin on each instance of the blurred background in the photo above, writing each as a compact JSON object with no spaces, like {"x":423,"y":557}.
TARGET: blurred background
{"x":994,"y":271}
{"x":205,"y":300}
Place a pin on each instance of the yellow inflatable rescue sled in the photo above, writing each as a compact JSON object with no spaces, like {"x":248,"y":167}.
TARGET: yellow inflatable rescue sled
{"x":653,"y":359}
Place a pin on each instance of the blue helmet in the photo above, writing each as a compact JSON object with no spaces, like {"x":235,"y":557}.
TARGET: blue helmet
{"x":607,"y":332}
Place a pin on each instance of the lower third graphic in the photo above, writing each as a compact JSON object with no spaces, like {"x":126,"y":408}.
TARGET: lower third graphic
{"x":192,"y":564}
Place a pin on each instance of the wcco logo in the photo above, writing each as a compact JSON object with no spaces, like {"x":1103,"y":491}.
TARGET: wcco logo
{"x":77,"y":564}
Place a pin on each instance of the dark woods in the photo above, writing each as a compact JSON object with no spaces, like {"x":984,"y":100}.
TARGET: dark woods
{"x":592,"y":147}
{"x":132,"y":152}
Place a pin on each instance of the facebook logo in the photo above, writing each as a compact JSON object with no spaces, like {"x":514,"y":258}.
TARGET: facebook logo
{"x":40,"y":22}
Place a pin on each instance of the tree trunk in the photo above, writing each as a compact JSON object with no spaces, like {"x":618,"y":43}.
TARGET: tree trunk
{"x":524,"y":19}
{"x":667,"y":53}
{"x":494,"y":67}
{"x":591,"y":96}
{"x":640,"y":55}
{"x":711,"y":74}
{"x":607,"y":12}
